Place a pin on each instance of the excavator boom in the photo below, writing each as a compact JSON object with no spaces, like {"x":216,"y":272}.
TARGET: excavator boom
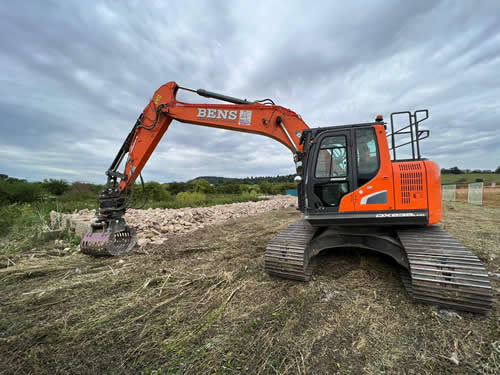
{"x":273,"y":121}
{"x":111,"y":236}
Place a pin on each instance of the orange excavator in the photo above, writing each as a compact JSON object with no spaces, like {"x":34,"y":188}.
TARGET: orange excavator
{"x":352,"y":190}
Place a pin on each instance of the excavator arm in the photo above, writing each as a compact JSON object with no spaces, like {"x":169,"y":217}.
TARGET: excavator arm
{"x":273,"y":121}
{"x":110,"y":235}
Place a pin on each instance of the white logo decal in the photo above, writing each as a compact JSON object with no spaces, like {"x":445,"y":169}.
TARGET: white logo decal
{"x":219,"y":114}
{"x":399,"y":215}
{"x":245,"y":118}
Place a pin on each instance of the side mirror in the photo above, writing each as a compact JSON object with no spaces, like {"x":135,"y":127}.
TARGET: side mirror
{"x":297,"y":179}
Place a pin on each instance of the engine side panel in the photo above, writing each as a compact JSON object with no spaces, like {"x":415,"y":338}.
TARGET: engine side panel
{"x":410,"y":185}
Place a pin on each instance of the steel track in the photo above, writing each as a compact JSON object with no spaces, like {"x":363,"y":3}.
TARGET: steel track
{"x":444,"y":272}
{"x":441,"y":271}
{"x":287,"y":254}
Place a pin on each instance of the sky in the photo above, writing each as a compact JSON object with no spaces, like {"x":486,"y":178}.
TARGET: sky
{"x":75,"y":75}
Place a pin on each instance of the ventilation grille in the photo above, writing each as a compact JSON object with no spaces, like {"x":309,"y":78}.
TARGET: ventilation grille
{"x":410,"y":175}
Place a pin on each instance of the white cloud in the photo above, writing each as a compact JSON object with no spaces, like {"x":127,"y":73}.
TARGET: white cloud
{"x":72,"y":86}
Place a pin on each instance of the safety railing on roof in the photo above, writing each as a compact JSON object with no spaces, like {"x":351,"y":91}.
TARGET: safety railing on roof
{"x":412,"y":129}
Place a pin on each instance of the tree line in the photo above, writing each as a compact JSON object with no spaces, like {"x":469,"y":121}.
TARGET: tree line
{"x":456,"y":170}
{"x":14,"y":190}
{"x":214,"y":180}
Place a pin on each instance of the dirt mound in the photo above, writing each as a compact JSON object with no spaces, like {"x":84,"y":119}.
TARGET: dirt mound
{"x":155,"y":225}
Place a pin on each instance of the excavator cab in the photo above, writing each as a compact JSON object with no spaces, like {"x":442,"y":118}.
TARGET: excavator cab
{"x":350,"y":179}
{"x":339,"y":160}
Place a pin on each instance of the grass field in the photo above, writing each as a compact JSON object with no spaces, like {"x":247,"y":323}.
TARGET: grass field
{"x":203,"y":305}
{"x":467,"y":178}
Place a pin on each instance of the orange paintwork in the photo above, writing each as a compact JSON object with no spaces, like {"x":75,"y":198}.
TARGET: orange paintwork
{"x":410,"y":185}
{"x":398,"y":178}
{"x":263,"y":121}
{"x":434,"y":198}
{"x":382,"y":181}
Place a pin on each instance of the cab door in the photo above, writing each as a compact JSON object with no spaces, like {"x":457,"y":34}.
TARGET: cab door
{"x":331,"y":176}
{"x":373,"y":170}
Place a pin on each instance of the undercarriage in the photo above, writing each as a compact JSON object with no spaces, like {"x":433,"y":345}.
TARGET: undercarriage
{"x":434,"y":267}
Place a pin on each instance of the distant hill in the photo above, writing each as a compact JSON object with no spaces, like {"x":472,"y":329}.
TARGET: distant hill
{"x":247,"y":180}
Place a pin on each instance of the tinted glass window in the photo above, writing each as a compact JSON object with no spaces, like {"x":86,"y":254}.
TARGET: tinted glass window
{"x":367,"y":155}
{"x":331,"y":193}
{"x":332,"y":158}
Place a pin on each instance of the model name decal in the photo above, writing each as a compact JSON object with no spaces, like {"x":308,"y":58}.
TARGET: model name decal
{"x":400,"y":215}
{"x":220,"y":114}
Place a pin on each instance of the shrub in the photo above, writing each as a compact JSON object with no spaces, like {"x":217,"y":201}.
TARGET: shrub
{"x":255,"y":188}
{"x":56,"y":187}
{"x":247,"y":188}
{"x":281,"y":188}
{"x":202,"y":186}
{"x":190,"y":197}
{"x":153,"y":191}
{"x":266,"y":187}
{"x":19,"y":191}
{"x":249,"y":195}
{"x":229,"y":189}
{"x":178,"y":187}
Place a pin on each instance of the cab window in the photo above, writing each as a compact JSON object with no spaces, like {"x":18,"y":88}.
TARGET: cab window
{"x":332,"y":158}
{"x":367,"y":155}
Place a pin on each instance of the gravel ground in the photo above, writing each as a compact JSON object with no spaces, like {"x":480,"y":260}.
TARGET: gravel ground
{"x":154,"y":226}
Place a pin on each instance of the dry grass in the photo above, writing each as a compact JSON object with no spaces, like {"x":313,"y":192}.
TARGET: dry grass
{"x":492,"y":196}
{"x":203,"y":305}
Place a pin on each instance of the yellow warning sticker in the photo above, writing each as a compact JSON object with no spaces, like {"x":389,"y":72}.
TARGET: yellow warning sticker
{"x":157,"y":100}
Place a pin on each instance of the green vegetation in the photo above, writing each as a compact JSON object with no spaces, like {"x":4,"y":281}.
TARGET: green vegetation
{"x":468,"y":178}
{"x":214,"y":180}
{"x":456,"y":175}
{"x":25,"y":206}
{"x":456,"y":170}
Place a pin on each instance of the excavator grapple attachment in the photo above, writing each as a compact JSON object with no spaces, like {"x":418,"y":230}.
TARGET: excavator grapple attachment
{"x":110,"y":235}
{"x":108,"y":244}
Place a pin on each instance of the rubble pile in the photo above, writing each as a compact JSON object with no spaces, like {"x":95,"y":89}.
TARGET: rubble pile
{"x":155,"y":225}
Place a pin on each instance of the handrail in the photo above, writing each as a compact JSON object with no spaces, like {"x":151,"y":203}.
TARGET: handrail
{"x":416,"y":135}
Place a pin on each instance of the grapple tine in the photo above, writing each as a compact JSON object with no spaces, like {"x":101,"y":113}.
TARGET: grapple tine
{"x":95,"y":243}
{"x":122,"y":242}
{"x":109,"y":244}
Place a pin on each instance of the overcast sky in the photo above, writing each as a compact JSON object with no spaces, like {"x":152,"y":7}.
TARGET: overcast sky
{"x":74,"y":76}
